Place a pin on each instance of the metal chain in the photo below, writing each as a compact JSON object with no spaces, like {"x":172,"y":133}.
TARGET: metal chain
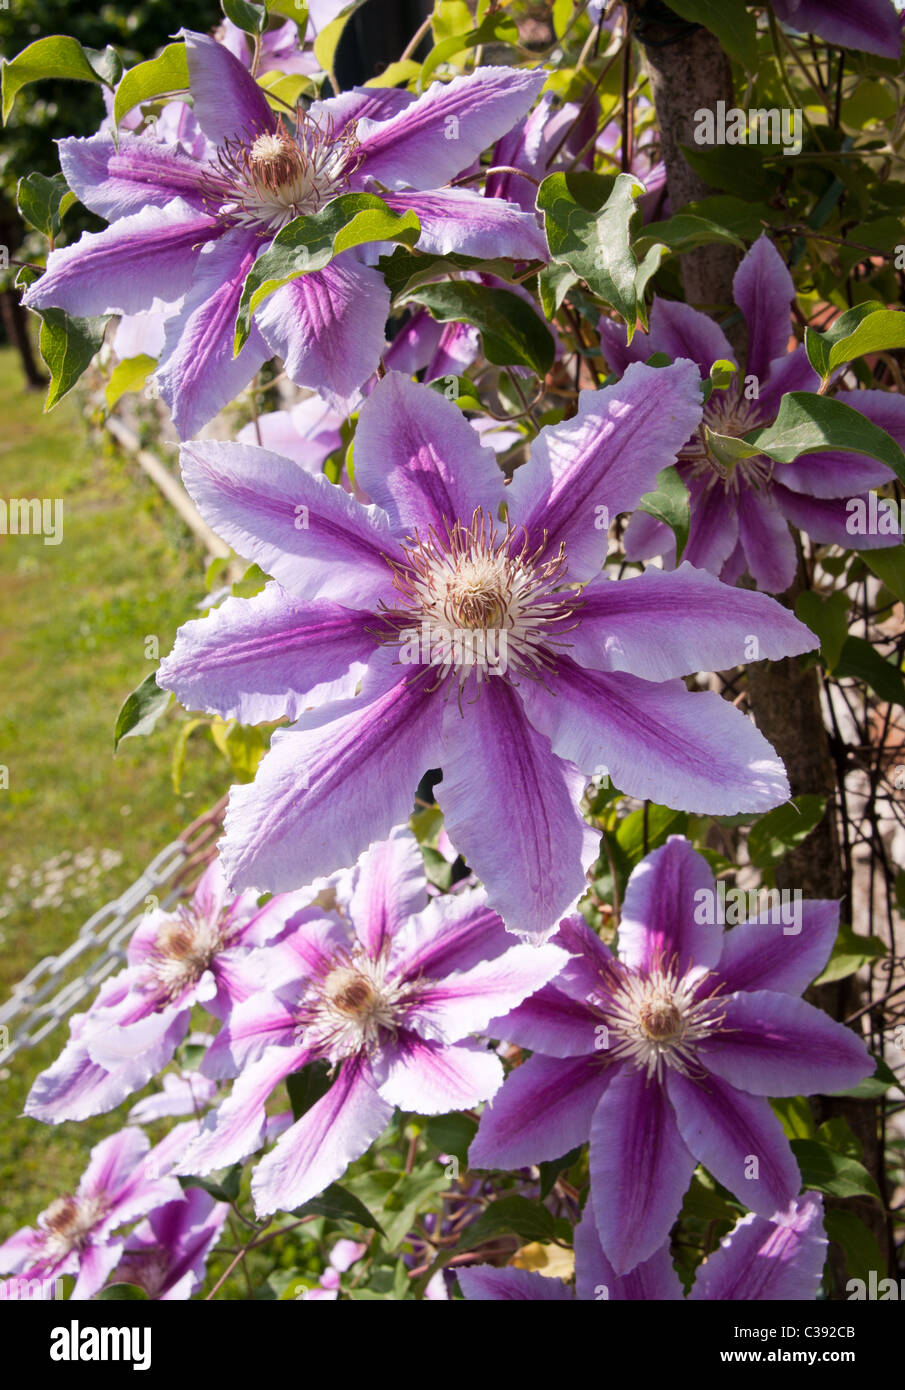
{"x":171,"y":875}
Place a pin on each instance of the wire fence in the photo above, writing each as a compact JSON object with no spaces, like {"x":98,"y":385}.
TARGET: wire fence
{"x":52,"y":988}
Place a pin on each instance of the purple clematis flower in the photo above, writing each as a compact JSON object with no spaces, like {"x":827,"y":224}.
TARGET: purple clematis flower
{"x":194,"y":227}
{"x":874,"y":26}
{"x":199,"y":954}
{"x":125,"y":1179}
{"x":664,"y":1055}
{"x":166,"y":1254}
{"x":740,"y":517}
{"x":389,"y":994}
{"x":416,"y":597}
{"x":758,"y":1261}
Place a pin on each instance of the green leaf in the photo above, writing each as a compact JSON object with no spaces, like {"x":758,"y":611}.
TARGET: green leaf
{"x":783,"y":829}
{"x":141,"y":710}
{"x":596,"y":245}
{"x":731,"y":21}
{"x":686,"y":230}
{"x":250,"y":18}
{"x":405,"y":269}
{"x":246,"y":745}
{"x":888,"y":565}
{"x":107,"y":63}
{"x":338,"y":1204}
{"x":706,"y":1200}
{"x":861,"y":660}
{"x":226,"y":1190}
{"x":44,"y":201}
{"x":59,"y":55}
{"x":795,"y":1116}
{"x":670,"y":504}
{"x":310,"y":243}
{"x":808,"y":424}
{"x":512,"y":332}
{"x":883,"y":331}
{"x":662,"y":822}
{"x":114,"y":1293}
{"x":167,"y":73}
{"x":554,"y":282}
{"x":399,"y":1196}
{"x":306,"y":1087}
{"x":850,"y":952}
{"x":528,"y":1220}
{"x":828,"y":618}
{"x":551,"y":1170}
{"x":67,"y":346}
{"x":130,"y":374}
{"x":495,"y":28}
{"x":451,"y":1134}
{"x":824,"y":1170}
{"x":862,"y":1253}
{"x":820,"y":345}
{"x":884,"y":1078}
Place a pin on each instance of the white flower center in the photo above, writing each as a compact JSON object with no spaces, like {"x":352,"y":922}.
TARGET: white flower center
{"x":68,"y":1222}
{"x":735,"y":416}
{"x":267,"y":180}
{"x":351,"y":1007}
{"x":184,"y":948}
{"x":658,"y":1018}
{"x":473,"y":601}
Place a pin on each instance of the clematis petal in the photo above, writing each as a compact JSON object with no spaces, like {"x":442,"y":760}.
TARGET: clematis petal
{"x":616,"y":351}
{"x":297,"y":820}
{"x":390,"y":887}
{"x":458,"y":220}
{"x":600,"y":462}
{"x":640,"y":1168}
{"x":550,"y":1022}
{"x":465,"y":1002}
{"x":658,"y":922}
{"x":256,"y":1024}
{"x":328,"y":327}
{"x":543,"y":1111}
{"x":268,"y":656}
{"x":96,"y":1264}
{"x":763,"y":290}
{"x":660,"y":741}
{"x":433,"y":1078}
{"x":682,"y":331}
{"x":256,"y":501}
{"x":419,"y":459}
{"x":873,"y":26}
{"x":738,"y":1139}
{"x":791,"y":372}
{"x":198,"y":374}
{"x":780,"y":1260}
{"x":445,"y":130}
{"x":766,"y":540}
{"x":530,"y":797}
{"x":227,"y":101}
{"x":452,"y":934}
{"x":774,"y":1045}
{"x":120,"y":270}
{"x":595,"y":1277}
{"x":769,"y":953}
{"x":713,"y":532}
{"x":659,"y":625}
{"x":486,"y":1282}
{"x":828,"y":520}
{"x":236,"y":1128}
{"x":319,"y":1147}
{"x":140,"y":173}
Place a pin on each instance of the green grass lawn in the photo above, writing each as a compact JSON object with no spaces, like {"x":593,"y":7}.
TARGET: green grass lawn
{"x":77,"y":824}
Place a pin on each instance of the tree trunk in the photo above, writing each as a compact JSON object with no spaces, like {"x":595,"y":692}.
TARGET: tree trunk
{"x":689,"y":72}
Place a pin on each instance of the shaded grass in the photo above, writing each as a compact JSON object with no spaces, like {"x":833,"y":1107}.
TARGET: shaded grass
{"x":76,"y":824}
